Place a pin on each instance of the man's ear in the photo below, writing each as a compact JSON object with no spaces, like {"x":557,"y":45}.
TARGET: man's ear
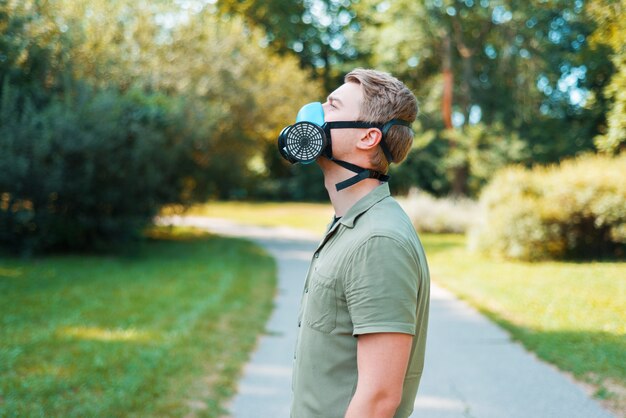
{"x":370,"y":139}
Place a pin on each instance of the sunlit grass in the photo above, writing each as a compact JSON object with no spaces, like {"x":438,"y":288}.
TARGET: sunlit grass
{"x":571,"y":314}
{"x":161,"y":333}
{"x":312,"y":217}
{"x":104,"y":334}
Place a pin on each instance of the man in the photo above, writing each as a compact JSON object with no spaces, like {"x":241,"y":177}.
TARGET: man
{"x":364,"y":310}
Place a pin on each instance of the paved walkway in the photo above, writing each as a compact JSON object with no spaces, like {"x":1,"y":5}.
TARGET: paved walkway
{"x":473,"y":369}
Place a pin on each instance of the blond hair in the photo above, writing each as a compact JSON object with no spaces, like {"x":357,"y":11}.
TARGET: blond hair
{"x":386,"y":98}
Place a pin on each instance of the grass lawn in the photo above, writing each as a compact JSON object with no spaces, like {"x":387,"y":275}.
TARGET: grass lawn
{"x":161,"y":333}
{"x":571,"y":314}
{"x":310,"y":216}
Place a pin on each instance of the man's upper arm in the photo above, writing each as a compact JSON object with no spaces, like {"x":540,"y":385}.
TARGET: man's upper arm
{"x":381,"y":287}
{"x":382,"y":360}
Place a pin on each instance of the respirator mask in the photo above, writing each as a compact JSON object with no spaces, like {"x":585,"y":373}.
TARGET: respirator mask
{"x":309,"y":139}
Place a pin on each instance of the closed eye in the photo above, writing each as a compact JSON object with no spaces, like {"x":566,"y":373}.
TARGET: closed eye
{"x":334,"y":102}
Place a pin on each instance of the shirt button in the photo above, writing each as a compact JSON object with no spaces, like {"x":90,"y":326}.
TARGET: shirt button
{"x":299,"y":323}
{"x":317,"y":255}
{"x":306,"y":290}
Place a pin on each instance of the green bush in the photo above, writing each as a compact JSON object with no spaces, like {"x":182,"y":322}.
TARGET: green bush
{"x":87,"y":169}
{"x":573,"y":211}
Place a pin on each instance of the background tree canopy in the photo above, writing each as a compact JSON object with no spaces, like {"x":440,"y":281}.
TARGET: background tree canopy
{"x":159,"y":102}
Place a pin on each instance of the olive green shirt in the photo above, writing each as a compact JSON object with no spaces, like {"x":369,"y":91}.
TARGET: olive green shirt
{"x":368,"y":275}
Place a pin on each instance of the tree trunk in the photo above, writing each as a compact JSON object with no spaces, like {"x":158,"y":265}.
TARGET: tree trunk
{"x":459,"y":173}
{"x":448,"y":85}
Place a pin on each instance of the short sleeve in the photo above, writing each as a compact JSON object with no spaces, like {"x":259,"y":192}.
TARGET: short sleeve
{"x":381,"y":286}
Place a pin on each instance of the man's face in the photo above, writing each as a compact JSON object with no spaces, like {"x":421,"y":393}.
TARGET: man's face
{"x":344,"y":104}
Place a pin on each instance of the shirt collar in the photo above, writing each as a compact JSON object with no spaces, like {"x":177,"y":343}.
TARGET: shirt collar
{"x":363,"y":205}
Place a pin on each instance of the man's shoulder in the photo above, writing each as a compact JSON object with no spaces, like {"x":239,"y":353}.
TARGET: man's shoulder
{"x":387,"y":218}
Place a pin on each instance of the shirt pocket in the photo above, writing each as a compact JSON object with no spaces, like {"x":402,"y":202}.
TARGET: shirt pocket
{"x":321,"y":312}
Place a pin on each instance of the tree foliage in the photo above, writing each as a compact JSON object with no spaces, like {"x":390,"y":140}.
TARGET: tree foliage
{"x":522,"y":68}
{"x":611,"y":31}
{"x":112,"y":109}
{"x":499,"y":82}
{"x":318,"y":31}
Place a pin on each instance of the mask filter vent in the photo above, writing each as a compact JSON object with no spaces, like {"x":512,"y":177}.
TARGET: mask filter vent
{"x":302,"y":142}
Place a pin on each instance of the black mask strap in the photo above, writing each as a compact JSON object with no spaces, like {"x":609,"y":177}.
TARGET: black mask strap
{"x":362,"y":174}
{"x":384,"y":129}
{"x":352,"y":124}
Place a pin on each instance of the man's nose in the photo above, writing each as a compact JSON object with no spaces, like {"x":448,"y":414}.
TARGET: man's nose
{"x":325,"y":107}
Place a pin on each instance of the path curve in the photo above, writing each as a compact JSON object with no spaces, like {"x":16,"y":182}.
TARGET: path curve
{"x":473,"y":369}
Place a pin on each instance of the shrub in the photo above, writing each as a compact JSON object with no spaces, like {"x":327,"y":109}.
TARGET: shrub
{"x":86,"y":169}
{"x":439,"y":215}
{"x":575,"y":210}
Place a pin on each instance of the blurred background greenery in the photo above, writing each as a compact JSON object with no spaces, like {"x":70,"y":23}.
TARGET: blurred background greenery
{"x":110,"y":110}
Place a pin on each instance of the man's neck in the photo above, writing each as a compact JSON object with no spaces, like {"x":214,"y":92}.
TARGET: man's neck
{"x":346,"y":198}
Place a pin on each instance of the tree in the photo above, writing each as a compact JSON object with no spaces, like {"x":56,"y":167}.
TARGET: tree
{"x":611,"y":31}
{"x":127,"y":106}
{"x":32,"y":48}
{"x":242,"y":91}
{"x":520,"y":65}
{"x":318,"y":32}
